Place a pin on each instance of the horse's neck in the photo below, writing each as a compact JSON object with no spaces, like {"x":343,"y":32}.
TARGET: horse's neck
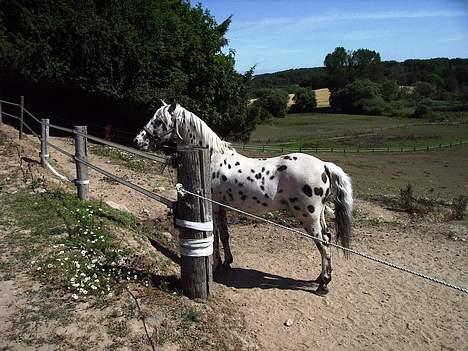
{"x":198,"y":133}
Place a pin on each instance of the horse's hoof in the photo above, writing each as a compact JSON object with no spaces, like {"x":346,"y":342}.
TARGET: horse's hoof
{"x":322,"y":290}
{"x":226,"y":266}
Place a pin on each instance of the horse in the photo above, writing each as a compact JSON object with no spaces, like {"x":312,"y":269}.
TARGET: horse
{"x":299,"y":182}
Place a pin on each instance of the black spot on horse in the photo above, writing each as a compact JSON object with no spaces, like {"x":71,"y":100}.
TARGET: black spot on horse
{"x":304,"y":215}
{"x":311,"y":208}
{"x":282,"y":168}
{"x":295,"y":158}
{"x":252,"y":171}
{"x":220,"y":165}
{"x":265,"y":204}
{"x":266,"y":195}
{"x":200,"y":143}
{"x":241,"y":192}
{"x":262,"y":187}
{"x":250,"y":179}
{"x":254,"y":198}
{"x":293,"y":199}
{"x":239,"y":170}
{"x":318,"y":191}
{"x":225,"y":162}
{"x":297,"y":208}
{"x":229,"y":166}
{"x":272,"y":177}
{"x":243,"y":197}
{"x":223,"y":177}
{"x":235,"y":181}
{"x":213,"y":175}
{"x":241,"y":184}
{"x":267,"y":172}
{"x":237,"y":163}
{"x":286,"y":158}
{"x":307,"y":190}
{"x":263,"y":169}
{"x":280,"y":191}
{"x":258,"y":176}
{"x":324,"y":177}
{"x":217,"y":174}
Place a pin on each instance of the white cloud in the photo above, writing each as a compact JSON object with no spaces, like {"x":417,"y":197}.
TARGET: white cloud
{"x":456,"y":37}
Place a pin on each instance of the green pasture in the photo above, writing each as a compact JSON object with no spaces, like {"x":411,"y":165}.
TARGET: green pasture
{"x":341,"y":130}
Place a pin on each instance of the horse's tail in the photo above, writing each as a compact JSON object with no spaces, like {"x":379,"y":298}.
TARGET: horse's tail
{"x":343,"y":203}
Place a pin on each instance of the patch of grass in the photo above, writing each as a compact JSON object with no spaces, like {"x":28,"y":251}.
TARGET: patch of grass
{"x":73,"y":242}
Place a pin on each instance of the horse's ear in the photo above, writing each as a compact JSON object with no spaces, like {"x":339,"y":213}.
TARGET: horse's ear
{"x":163,"y":102}
{"x":172,"y":107}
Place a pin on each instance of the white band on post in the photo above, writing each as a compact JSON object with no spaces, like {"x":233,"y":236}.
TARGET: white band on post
{"x":82,"y":182}
{"x":196,"y":247}
{"x":201,"y":226}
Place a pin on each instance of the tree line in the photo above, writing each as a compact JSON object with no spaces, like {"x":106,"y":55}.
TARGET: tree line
{"x":110,"y":62}
{"x":361,"y":83}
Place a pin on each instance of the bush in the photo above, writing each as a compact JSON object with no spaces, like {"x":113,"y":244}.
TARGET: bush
{"x":304,"y":101}
{"x":458,"y":208}
{"x":423,"y":109}
{"x":276,"y":103}
{"x":360,"y":96}
{"x":424,"y":89}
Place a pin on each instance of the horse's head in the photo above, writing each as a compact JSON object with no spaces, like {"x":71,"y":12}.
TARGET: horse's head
{"x":160,"y":130}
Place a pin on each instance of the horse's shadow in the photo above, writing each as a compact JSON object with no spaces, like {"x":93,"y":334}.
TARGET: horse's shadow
{"x":246,"y":278}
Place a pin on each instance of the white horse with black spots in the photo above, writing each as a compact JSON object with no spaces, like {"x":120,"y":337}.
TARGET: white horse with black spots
{"x":298,"y":182}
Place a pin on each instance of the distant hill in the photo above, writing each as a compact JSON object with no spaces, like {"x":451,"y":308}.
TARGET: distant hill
{"x":436,"y":70}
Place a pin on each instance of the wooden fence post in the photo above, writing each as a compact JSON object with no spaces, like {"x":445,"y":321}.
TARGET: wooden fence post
{"x":82,"y":179}
{"x":196,"y":244}
{"x":21,"y":116}
{"x":44,"y":137}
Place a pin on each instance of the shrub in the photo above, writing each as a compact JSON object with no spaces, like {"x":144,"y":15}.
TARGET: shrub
{"x":360,"y":96}
{"x":304,"y":101}
{"x":458,"y":208}
{"x":276,"y":103}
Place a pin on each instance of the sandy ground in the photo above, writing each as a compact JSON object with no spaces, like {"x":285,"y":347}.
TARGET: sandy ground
{"x":369,"y":306}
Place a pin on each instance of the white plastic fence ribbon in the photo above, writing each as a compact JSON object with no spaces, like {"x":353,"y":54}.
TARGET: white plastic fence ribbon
{"x":82,"y":182}
{"x":196,"y":247}
{"x":201,"y":226}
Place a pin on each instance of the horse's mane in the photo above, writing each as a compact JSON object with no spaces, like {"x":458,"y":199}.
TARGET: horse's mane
{"x":194,"y":124}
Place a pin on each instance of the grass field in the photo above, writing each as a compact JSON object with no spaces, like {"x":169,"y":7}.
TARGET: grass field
{"x":342,"y":130}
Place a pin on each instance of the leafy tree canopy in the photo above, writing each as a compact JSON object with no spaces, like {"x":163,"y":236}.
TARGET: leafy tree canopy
{"x":126,"y":53}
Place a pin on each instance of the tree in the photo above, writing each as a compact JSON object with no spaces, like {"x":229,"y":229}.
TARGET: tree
{"x":365,"y":63}
{"x":389,"y":89}
{"x":275,"y":102}
{"x":336,"y":66}
{"x":360,"y":96}
{"x":113,"y":60}
{"x":304,"y":101}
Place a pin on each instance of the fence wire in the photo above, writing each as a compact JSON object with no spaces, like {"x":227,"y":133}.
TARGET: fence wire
{"x":181,"y":189}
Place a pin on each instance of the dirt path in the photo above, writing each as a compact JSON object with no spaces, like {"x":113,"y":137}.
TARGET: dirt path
{"x":369,"y":306}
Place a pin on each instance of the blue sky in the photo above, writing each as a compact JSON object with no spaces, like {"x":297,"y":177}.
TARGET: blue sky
{"x":276,"y":35}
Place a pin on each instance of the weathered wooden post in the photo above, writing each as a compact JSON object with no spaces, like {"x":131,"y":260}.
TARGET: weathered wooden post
{"x":82,"y":179}
{"x":21,"y":117}
{"x":44,"y":137}
{"x":194,"y":218}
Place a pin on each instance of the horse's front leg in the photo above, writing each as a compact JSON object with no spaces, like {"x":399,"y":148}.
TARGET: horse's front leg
{"x":224,"y":234}
{"x":217,"y":262}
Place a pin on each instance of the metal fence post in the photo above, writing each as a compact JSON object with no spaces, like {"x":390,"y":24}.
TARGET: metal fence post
{"x":82,"y":179}
{"x":196,"y":245}
{"x":21,"y":116}
{"x":44,"y":138}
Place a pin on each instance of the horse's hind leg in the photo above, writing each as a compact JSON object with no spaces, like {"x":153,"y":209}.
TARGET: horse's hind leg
{"x":224,"y":234}
{"x":319,"y":230}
